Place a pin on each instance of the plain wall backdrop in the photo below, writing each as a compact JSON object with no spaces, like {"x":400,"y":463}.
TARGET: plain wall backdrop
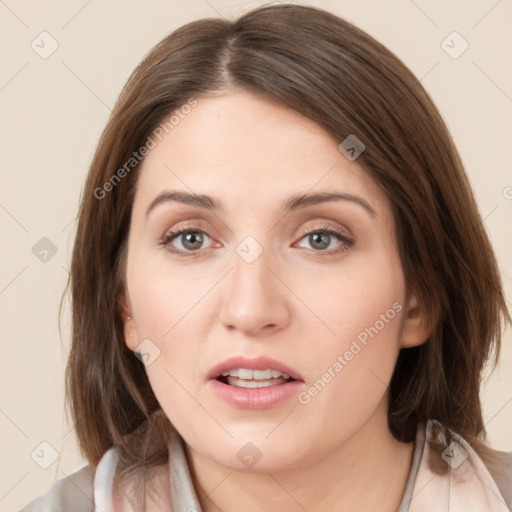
{"x":62,"y":67}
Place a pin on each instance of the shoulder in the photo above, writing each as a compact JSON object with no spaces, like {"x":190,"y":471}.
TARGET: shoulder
{"x":73,"y":492}
{"x":492,"y":468}
{"x":501,"y":471}
{"x":81,"y":491}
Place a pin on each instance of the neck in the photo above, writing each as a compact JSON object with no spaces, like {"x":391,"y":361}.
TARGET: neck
{"x":368,"y":471}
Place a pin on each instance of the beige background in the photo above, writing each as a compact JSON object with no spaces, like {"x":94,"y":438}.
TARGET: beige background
{"x":53,"y":111}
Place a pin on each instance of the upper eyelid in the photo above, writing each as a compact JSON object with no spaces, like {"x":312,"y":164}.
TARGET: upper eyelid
{"x":195,"y":226}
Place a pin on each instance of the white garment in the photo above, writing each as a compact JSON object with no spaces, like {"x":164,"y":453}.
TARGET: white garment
{"x":467,"y":486}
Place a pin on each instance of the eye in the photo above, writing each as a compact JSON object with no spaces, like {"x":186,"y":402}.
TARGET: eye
{"x":187,"y":240}
{"x":324,"y":237}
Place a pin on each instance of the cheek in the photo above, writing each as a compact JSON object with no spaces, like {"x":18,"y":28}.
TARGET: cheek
{"x":351,"y":357}
{"x":362,"y":342}
{"x":172,"y":309}
{"x":164,"y":301}
{"x":343,"y":303}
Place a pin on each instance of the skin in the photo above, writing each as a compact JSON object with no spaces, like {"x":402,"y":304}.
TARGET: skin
{"x":294,"y":303}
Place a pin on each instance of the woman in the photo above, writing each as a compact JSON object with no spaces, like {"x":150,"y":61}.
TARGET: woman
{"x":277,"y":224}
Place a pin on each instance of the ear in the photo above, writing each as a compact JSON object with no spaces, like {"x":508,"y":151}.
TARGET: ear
{"x":415,"y":328}
{"x":130,"y":329}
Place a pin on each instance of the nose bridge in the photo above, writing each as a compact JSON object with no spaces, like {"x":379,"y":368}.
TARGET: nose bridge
{"x":254,"y":298}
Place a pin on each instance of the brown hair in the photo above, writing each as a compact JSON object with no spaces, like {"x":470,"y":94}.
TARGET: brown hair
{"x":338,"y":76}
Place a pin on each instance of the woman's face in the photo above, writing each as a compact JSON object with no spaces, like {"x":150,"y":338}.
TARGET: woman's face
{"x":261,"y":271}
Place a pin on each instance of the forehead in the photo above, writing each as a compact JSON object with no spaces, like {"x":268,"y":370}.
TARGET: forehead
{"x":250,"y":151}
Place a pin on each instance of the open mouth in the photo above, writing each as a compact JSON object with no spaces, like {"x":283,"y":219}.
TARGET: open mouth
{"x":261,"y":388}
{"x":247,"y":378}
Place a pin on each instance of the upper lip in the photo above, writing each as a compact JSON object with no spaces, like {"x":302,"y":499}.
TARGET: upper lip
{"x":258,"y":363}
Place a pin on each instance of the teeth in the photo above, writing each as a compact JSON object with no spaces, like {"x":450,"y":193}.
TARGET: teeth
{"x":247,"y":374}
{"x":262,"y":374}
{"x":244,"y":383}
{"x":244,"y":373}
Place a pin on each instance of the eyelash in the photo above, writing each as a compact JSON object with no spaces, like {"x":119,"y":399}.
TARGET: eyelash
{"x":347,"y":242}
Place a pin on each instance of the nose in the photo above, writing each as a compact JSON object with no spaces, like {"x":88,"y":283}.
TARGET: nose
{"x":255,"y":299}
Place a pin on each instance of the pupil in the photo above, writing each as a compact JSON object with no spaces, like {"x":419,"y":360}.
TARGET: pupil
{"x":193,"y":240}
{"x":315,"y":238}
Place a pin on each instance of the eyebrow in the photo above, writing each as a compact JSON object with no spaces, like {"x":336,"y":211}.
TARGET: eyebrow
{"x":294,"y":203}
{"x":302,"y":200}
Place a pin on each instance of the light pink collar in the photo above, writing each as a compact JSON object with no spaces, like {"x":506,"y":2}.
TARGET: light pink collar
{"x":455,"y":481}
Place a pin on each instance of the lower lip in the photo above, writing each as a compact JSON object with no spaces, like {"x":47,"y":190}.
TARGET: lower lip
{"x":255,"y":398}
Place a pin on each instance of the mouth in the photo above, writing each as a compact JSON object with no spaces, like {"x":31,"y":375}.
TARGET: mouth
{"x":259,"y":372}
{"x":249,"y":378}
{"x":261,"y":383}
